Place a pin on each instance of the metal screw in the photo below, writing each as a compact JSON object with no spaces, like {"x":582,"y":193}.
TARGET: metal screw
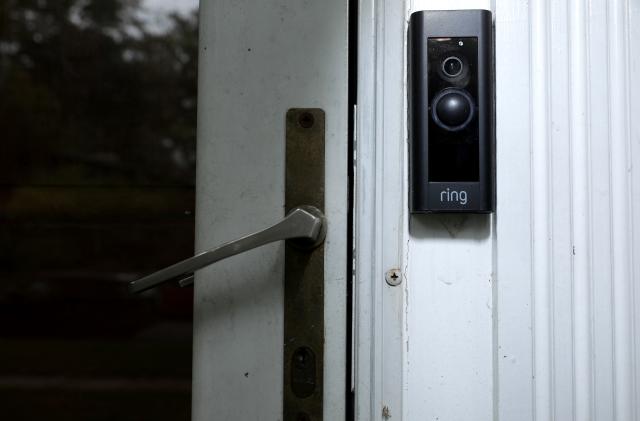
{"x":393,"y":277}
{"x":306,"y":120}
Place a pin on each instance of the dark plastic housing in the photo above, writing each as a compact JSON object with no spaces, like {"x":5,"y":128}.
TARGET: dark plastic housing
{"x":452,"y":167}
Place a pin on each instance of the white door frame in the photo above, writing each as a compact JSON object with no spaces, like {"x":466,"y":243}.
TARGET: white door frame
{"x":380,"y":210}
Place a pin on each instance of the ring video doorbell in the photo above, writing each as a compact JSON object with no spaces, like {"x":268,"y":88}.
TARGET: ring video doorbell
{"x":451,"y":107}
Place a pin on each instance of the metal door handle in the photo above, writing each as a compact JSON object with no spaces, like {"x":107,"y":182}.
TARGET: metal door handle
{"x":305,"y":223}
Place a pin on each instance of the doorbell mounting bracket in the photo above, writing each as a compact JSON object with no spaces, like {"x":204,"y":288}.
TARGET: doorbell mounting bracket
{"x":451,"y":112}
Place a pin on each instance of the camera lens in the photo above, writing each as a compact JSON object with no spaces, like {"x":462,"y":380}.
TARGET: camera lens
{"x":452,"y":66}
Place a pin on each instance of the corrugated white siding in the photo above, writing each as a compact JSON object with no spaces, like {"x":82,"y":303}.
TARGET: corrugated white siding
{"x":567,"y":237}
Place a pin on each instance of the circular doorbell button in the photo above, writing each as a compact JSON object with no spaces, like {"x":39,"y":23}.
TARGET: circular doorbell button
{"x":452,"y":109}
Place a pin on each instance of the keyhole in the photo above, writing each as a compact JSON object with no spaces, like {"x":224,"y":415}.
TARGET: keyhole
{"x":302,"y":357}
{"x":303,"y":372}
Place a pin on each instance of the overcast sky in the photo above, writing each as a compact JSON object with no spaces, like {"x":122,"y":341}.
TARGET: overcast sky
{"x":155,"y":11}
{"x":171,"y":5}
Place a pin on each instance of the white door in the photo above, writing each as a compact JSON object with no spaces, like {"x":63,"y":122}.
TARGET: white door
{"x":258,"y":59}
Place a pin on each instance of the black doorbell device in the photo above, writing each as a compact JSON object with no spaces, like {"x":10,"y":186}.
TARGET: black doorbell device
{"x":451,"y":112}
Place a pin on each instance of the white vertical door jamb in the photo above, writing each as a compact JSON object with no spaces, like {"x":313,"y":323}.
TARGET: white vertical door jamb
{"x":513,"y":290}
{"x":633,"y":98}
{"x":450,"y":309}
{"x":385,"y":334}
{"x":380,"y":211}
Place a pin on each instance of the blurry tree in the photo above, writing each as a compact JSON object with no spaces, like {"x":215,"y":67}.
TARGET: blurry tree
{"x":97,"y":160}
{"x":89,"y":95}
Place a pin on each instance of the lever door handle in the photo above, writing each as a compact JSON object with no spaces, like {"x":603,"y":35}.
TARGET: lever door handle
{"x":306,"y":224}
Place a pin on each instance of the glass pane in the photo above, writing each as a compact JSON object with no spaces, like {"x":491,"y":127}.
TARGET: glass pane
{"x":454,"y":153}
{"x":97,"y":174}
